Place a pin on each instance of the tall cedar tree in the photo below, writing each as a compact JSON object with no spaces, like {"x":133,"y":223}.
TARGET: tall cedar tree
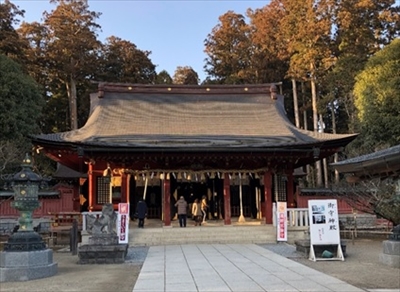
{"x":11,"y":44}
{"x":307,"y":27}
{"x":71,"y":46}
{"x":270,"y":58}
{"x":361,"y":29}
{"x":228,"y":49}
{"x":185,"y":75}
{"x":122,"y":61}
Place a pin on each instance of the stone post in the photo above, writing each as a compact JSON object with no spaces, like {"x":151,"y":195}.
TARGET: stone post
{"x":391,"y":249}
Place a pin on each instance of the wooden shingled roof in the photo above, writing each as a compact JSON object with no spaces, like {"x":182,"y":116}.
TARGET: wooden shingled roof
{"x":382,"y":163}
{"x":190,"y":117}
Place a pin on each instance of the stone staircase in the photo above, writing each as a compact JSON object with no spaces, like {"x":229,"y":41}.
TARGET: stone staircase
{"x":202,"y":235}
{"x":214,"y":231}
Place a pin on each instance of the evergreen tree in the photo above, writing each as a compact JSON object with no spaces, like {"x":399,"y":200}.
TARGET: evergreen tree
{"x":21,"y":105}
{"x":163,"y":78}
{"x":377,"y":98}
{"x":11,"y":44}
{"x":228,"y":49}
{"x":121,"y":61}
{"x":185,"y":75}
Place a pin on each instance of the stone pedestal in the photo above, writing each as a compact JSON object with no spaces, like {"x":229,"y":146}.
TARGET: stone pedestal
{"x":103,"y":239}
{"x":102,"y":249}
{"x":391,"y":253}
{"x":304,"y":247}
{"x":27,"y":265}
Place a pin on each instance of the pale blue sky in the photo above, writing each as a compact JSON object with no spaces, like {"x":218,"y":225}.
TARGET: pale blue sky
{"x":174,"y":31}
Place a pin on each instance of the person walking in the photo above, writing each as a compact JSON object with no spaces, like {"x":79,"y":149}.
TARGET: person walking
{"x":141,"y":211}
{"x":196,"y":212}
{"x":204,"y":207}
{"x":182,"y":211}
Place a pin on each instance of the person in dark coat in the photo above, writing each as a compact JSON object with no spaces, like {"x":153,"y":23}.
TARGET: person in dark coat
{"x":141,"y":211}
{"x":182,"y":211}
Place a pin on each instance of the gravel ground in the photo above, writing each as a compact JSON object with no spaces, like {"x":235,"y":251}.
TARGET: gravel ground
{"x":361,"y":268}
{"x":136,"y":255}
{"x":72,"y":276}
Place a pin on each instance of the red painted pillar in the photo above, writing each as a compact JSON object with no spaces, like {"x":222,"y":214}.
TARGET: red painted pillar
{"x":90,"y":187}
{"x":124,"y":188}
{"x":227,"y":200}
{"x":290,"y":190}
{"x":167,"y":202}
{"x":76,"y":198}
{"x":268,"y":197}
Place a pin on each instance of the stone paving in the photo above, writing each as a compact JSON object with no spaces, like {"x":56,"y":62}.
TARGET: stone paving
{"x":229,"y":267}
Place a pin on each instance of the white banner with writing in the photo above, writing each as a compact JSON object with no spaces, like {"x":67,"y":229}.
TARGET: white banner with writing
{"x":281,"y":224}
{"x":123,"y":223}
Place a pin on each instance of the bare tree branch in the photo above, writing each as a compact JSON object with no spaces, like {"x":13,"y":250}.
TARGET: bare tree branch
{"x":373,"y":196}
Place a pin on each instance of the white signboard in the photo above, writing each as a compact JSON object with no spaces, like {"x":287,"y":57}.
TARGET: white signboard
{"x":324,"y":225}
{"x":123,"y":223}
{"x":281,"y":216}
{"x":324,"y":222}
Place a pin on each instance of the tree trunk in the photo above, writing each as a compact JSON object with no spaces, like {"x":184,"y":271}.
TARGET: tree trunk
{"x":74,"y":112}
{"x":324,"y":161}
{"x":318,"y":168}
{"x":68,"y":87}
{"x":295,"y":104}
{"x":303,"y":93}
{"x":336,"y":156}
{"x":305,"y":122}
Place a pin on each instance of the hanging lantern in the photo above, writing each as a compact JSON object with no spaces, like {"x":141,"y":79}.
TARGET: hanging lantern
{"x":107,"y":173}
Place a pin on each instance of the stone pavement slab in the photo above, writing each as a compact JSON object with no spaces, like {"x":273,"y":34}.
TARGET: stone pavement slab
{"x":229,"y":267}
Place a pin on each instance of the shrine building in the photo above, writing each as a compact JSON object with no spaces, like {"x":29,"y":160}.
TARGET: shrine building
{"x":233,"y":144}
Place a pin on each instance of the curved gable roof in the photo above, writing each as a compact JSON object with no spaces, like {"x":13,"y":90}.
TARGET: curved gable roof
{"x":190,"y":116}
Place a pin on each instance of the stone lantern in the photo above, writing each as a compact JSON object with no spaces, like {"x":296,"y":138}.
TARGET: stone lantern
{"x":25,"y":255}
{"x":25,"y":185}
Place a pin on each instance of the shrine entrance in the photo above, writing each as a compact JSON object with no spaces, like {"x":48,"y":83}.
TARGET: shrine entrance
{"x":211,"y":189}
{"x":249,"y":194}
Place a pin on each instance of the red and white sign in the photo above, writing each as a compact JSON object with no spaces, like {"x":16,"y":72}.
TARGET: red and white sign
{"x":123,"y":222}
{"x":123,"y":208}
{"x":281,"y":224}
